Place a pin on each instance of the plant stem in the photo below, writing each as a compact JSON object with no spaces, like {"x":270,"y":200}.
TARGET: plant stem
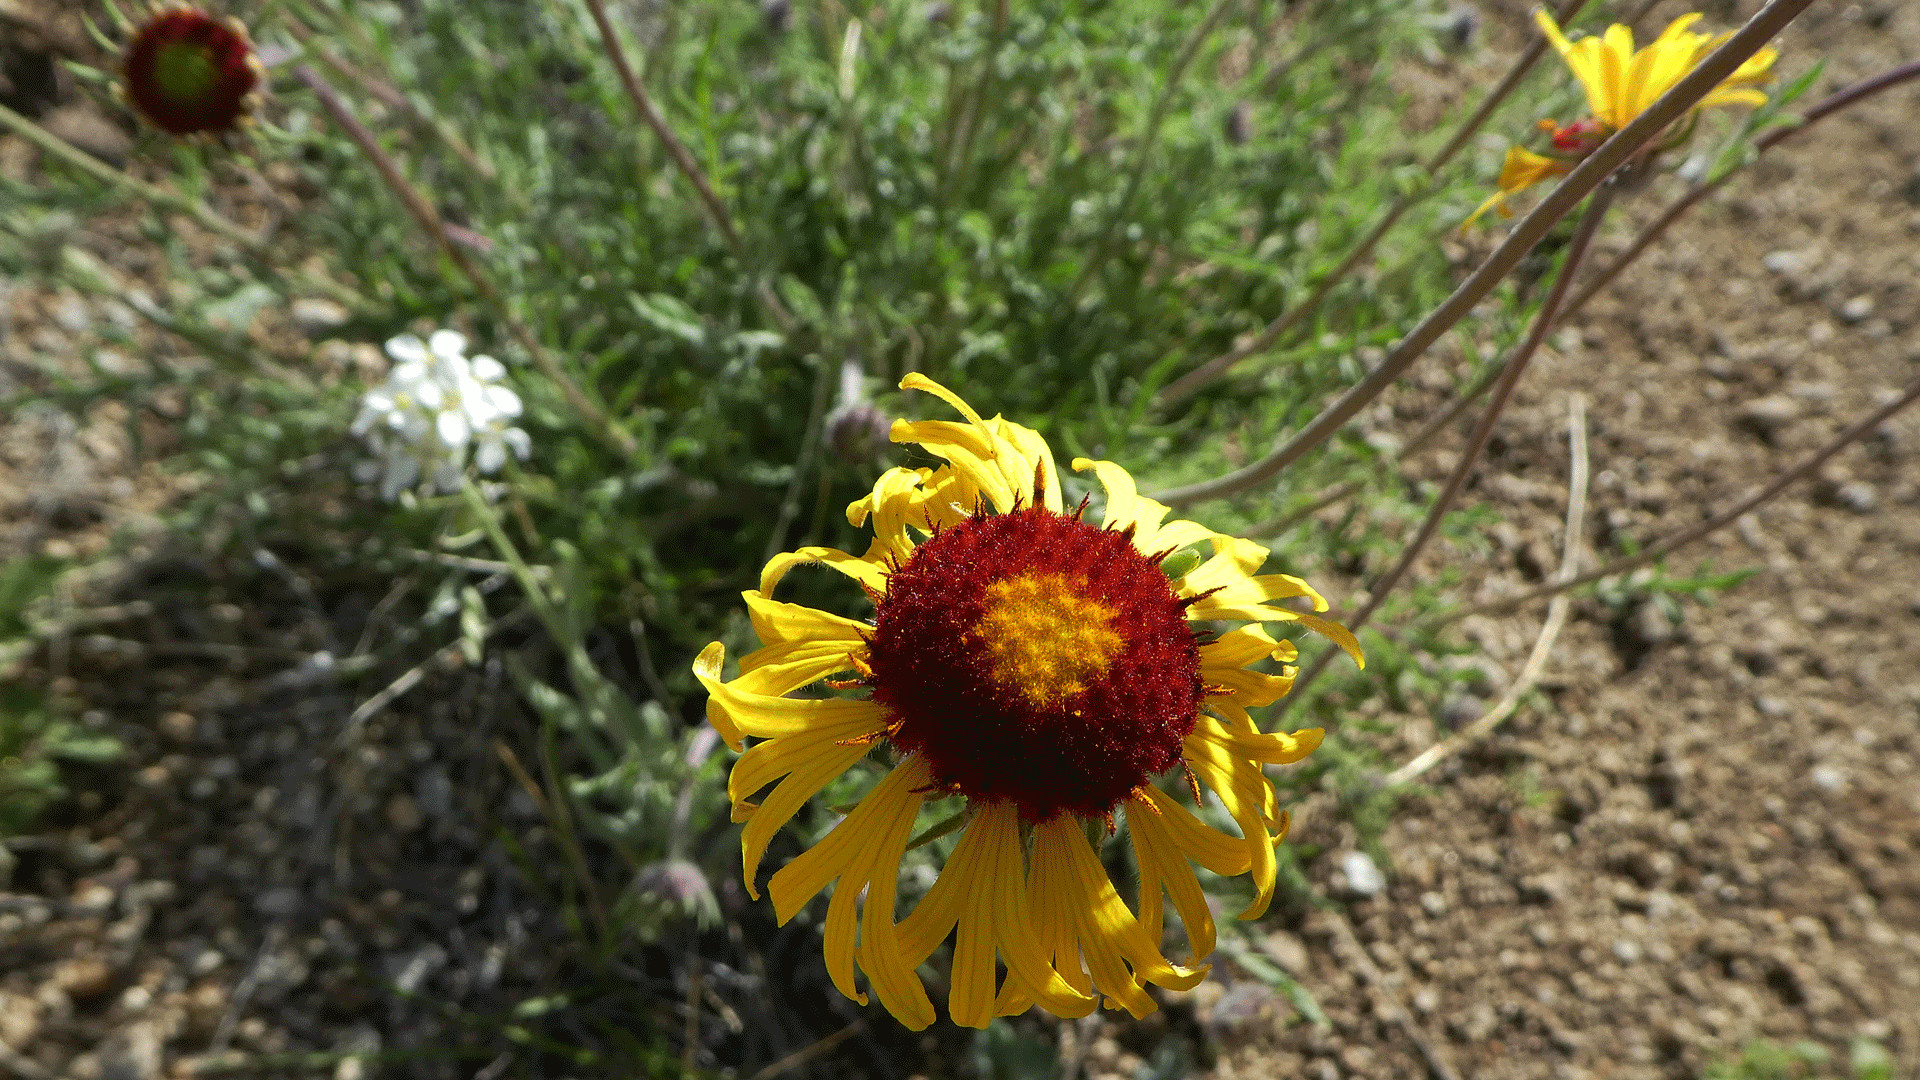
{"x":169,"y":199}
{"x":429,"y":220}
{"x":1503,"y":389}
{"x":1549,"y":630}
{"x":1852,"y":95}
{"x":1149,"y":138}
{"x":1191,"y":382}
{"x":1859,"y":91}
{"x":1680,"y":539}
{"x":1588,"y":175}
{"x":391,"y":97}
{"x":683,"y":158}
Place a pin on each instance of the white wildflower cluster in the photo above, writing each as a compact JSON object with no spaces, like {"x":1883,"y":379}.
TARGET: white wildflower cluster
{"x":435,"y":408}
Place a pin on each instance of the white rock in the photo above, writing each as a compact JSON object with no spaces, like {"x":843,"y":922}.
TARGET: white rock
{"x":1363,"y":877}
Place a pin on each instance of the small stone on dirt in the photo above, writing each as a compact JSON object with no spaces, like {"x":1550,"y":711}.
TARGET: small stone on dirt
{"x":1363,"y":877}
{"x":83,"y":977}
{"x":1856,"y":310}
{"x":315,"y":316}
{"x":1766,"y":416}
{"x":1828,"y":778}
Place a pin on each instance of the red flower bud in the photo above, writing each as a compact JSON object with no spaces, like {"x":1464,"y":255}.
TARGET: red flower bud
{"x":189,"y":72}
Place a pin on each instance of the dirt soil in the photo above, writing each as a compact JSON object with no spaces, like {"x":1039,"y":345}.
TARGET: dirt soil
{"x":1694,"y":835}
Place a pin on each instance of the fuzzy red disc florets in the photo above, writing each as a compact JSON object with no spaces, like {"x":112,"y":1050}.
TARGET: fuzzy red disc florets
{"x":189,"y":72}
{"x":1078,"y":746}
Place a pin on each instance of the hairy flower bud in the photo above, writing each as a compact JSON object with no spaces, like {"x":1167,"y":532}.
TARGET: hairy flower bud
{"x":189,"y":72}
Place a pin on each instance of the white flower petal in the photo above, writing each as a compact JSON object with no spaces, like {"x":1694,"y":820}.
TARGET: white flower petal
{"x":406,"y":348}
{"x":487,"y":369}
{"x":522,"y":445}
{"x":489,"y":456}
{"x":453,"y":429}
{"x":504,"y":401}
{"x":447,"y":343}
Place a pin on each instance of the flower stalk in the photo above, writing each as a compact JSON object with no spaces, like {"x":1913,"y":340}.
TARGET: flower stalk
{"x":429,"y":220}
{"x":1661,"y":549}
{"x":167,"y":198}
{"x":1588,"y":175}
{"x":1189,"y":384}
{"x":1503,"y":388}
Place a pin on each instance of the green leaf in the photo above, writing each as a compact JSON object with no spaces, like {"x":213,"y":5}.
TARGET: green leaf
{"x":670,"y":315}
{"x":23,"y":581}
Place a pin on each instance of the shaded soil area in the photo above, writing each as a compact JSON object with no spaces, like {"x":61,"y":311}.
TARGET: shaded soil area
{"x":1697,"y":831}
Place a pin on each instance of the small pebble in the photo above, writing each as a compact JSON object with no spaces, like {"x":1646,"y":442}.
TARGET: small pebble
{"x":1828,"y":778}
{"x":1856,"y":309}
{"x":315,"y":316}
{"x":1784,"y":262}
{"x":1627,"y":952}
{"x":1858,"y":496}
{"x":1363,"y":877}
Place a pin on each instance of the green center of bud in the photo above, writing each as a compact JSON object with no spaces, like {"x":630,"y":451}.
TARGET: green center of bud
{"x":185,"y":72}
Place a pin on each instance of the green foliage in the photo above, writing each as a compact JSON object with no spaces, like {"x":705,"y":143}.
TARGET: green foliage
{"x":35,"y":737}
{"x":1805,"y":1060}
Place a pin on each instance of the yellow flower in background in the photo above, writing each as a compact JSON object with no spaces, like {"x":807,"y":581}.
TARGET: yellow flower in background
{"x":1620,"y":83}
{"x":1043,"y":669}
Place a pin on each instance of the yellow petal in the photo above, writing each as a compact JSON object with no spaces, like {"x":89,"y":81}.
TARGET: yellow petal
{"x":1111,"y":939}
{"x":776,"y":622}
{"x":789,"y":795}
{"x":864,"y":853}
{"x":1523,"y":168}
{"x":1266,"y":748}
{"x":1247,"y":796}
{"x":842,"y":849}
{"x":998,"y":455}
{"x":765,"y":762}
{"x":790,"y":665}
{"x":894,"y":504}
{"x":1582,"y":59}
{"x":933,"y":918}
{"x":893,"y":979}
{"x":706,"y":668}
{"x":1162,"y":863}
{"x":771,"y":717}
{"x":1334,"y":632}
{"x":867,"y":572}
{"x":1033,"y":452}
{"x":1734,"y":97}
{"x":1224,"y":855}
{"x":1014,"y":932}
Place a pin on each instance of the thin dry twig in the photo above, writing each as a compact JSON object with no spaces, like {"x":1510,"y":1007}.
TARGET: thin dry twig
{"x":1190,"y":383}
{"x":808,"y":1053}
{"x":1556,"y":612}
{"x":1503,"y":390}
{"x":683,"y":159}
{"x":443,"y":657}
{"x":556,"y":814}
{"x":390,"y":97}
{"x":429,"y":220}
{"x":1587,"y":176}
{"x":1719,"y":521}
{"x":168,"y":199}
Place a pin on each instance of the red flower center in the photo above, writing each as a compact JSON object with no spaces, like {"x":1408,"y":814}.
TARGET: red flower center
{"x":1033,"y":657}
{"x":189,"y":72}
